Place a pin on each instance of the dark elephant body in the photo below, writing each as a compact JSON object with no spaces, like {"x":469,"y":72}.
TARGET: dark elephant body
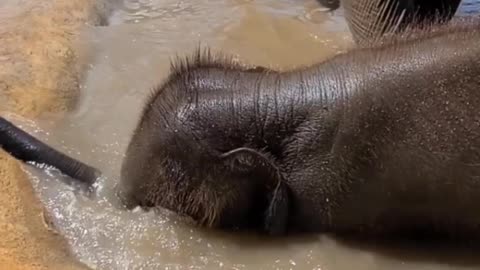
{"x":378,"y":140}
{"x":403,"y":154}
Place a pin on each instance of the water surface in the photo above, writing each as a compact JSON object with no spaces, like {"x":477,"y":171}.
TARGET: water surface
{"x":128,"y":59}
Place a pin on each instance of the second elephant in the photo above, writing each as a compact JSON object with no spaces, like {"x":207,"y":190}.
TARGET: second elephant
{"x":370,"y":19}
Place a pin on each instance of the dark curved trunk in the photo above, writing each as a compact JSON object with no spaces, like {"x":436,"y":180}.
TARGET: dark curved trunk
{"x":26,"y":148}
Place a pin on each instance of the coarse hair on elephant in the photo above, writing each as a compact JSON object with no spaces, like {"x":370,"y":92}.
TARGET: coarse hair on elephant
{"x":380,"y":140}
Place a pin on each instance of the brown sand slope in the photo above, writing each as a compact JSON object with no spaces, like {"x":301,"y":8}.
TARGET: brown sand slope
{"x":37,"y":75}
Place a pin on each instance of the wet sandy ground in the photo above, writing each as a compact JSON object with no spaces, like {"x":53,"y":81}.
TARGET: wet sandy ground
{"x":38,"y":75}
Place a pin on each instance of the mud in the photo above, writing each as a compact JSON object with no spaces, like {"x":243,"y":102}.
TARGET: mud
{"x":39,"y":75}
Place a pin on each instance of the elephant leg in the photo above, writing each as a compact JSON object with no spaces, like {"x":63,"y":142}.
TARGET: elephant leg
{"x":371,"y":19}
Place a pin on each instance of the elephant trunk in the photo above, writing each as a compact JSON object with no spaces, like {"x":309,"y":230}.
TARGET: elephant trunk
{"x":26,"y":148}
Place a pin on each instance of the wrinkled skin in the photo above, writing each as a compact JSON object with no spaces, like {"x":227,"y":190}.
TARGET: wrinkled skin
{"x":370,"y":19}
{"x":382,"y":140}
{"x":177,"y":158}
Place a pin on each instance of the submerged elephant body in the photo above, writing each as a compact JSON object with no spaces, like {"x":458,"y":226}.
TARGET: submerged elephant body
{"x":378,"y":140}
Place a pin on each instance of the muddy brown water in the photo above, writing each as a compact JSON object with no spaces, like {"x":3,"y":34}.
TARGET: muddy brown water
{"x":126,"y":60}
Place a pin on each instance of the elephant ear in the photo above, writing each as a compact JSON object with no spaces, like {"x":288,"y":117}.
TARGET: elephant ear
{"x":247,"y":160}
{"x":370,"y":20}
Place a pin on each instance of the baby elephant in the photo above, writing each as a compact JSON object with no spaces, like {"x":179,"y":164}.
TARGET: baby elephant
{"x":381,"y":141}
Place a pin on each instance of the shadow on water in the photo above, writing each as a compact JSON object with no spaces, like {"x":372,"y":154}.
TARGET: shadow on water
{"x":125,"y":61}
